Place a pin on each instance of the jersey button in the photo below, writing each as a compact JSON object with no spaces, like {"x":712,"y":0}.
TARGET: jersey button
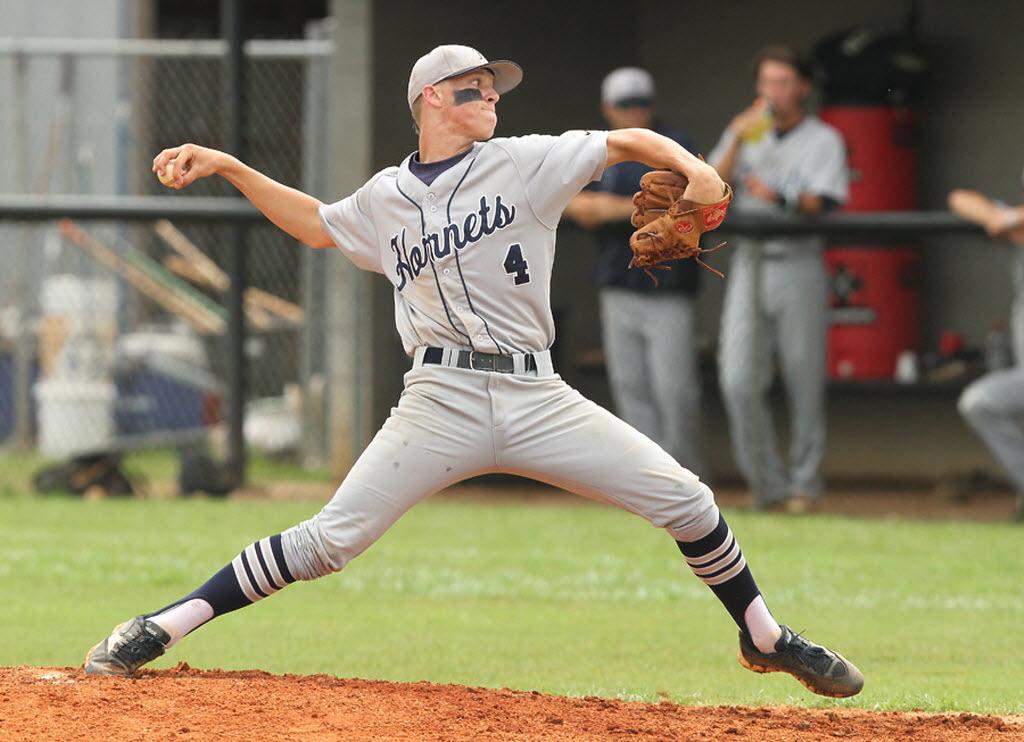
{"x":433,"y":208}
{"x":446,"y":271}
{"x":458,"y":309}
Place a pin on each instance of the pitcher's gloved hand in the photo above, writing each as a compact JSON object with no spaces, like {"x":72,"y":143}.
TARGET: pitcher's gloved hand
{"x":668,"y":226}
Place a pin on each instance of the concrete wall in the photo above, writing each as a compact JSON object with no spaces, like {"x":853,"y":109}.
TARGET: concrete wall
{"x":700,"y":55}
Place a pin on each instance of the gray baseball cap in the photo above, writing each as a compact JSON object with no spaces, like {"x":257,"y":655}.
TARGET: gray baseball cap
{"x":627,"y":84}
{"x":452,"y":60}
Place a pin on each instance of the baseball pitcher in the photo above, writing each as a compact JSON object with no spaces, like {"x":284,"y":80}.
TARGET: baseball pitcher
{"x":464,"y":229}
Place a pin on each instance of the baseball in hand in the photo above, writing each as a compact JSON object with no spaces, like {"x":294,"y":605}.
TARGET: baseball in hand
{"x":167,"y":176}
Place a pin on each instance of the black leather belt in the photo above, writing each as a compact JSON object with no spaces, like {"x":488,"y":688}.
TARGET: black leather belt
{"x":481,"y":361}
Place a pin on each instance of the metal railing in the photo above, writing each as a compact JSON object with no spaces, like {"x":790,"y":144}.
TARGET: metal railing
{"x":876,"y":224}
{"x":858,"y":225}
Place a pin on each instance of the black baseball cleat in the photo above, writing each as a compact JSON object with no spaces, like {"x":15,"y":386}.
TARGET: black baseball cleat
{"x":821,"y":670}
{"x":129,"y":646}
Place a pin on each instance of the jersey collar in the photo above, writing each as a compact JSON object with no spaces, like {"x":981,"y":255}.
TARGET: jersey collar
{"x":415,"y":189}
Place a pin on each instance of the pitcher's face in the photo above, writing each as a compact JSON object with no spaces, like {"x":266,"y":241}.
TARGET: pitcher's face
{"x":468,"y":103}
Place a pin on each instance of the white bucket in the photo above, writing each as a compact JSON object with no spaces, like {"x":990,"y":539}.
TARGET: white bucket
{"x":74,"y":416}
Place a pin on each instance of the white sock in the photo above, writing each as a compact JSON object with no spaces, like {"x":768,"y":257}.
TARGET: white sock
{"x":183,"y":618}
{"x":761,"y":624}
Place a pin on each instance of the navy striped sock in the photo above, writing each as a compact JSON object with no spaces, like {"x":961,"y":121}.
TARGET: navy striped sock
{"x":717,"y":561}
{"x":258,"y":571}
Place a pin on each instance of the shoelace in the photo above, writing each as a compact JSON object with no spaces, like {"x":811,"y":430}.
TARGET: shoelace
{"x":139,"y":645}
{"x":812,"y":655}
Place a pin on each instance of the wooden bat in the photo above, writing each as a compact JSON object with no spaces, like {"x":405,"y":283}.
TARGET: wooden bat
{"x":211,"y":274}
{"x":176,"y":300}
{"x":258,"y":316}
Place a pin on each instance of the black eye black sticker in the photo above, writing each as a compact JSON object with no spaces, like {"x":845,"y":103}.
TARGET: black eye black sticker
{"x":467,"y":95}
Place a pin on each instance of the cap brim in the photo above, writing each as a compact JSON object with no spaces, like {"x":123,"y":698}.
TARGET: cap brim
{"x":507,"y":74}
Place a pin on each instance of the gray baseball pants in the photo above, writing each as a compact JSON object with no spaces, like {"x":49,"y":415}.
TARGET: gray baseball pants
{"x":451,"y":424}
{"x":787,"y":323}
{"x":994,"y":406}
{"x":650,"y":348}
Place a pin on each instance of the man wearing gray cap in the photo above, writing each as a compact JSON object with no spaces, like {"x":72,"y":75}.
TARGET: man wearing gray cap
{"x":464,"y":230}
{"x":648,"y":330}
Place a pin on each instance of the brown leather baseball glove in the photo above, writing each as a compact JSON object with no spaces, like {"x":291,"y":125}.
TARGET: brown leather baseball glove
{"x":668,"y":226}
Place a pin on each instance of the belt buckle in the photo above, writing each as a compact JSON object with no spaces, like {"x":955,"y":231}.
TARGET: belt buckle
{"x":481,"y":361}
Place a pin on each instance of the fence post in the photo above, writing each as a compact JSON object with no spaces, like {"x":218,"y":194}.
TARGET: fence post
{"x":24,"y":342}
{"x":312,"y":352}
{"x":234,"y":88}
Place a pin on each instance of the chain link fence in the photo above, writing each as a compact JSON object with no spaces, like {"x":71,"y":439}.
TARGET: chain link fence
{"x":113,"y":335}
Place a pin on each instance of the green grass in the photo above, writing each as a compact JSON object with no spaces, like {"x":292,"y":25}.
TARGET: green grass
{"x":573,"y":598}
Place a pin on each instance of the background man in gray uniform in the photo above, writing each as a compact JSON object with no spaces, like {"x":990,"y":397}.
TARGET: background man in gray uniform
{"x":649,"y":332}
{"x":778,"y":158}
{"x":994,"y":404}
{"x":464,"y":229}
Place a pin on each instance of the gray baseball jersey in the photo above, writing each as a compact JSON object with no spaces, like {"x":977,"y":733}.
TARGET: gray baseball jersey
{"x":470,"y":256}
{"x":809,"y":158}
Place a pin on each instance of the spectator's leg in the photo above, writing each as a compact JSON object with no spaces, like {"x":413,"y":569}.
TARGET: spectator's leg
{"x":800,"y":285}
{"x":994,"y":406}
{"x":745,"y":371}
{"x":675,"y":376}
{"x":625,"y":351}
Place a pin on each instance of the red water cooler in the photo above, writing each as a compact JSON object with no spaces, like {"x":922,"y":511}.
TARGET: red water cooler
{"x":874,"y":294}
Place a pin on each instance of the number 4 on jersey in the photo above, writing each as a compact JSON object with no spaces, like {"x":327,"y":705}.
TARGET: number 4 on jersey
{"x":515,"y":264}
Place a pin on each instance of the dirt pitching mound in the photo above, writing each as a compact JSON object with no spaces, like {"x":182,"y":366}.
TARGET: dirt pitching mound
{"x":186,"y":704}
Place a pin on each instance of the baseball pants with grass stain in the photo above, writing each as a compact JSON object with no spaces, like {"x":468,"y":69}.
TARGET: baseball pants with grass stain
{"x":451,"y":424}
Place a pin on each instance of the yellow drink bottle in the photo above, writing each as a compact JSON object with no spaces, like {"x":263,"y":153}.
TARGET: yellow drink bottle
{"x":764,"y":125}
